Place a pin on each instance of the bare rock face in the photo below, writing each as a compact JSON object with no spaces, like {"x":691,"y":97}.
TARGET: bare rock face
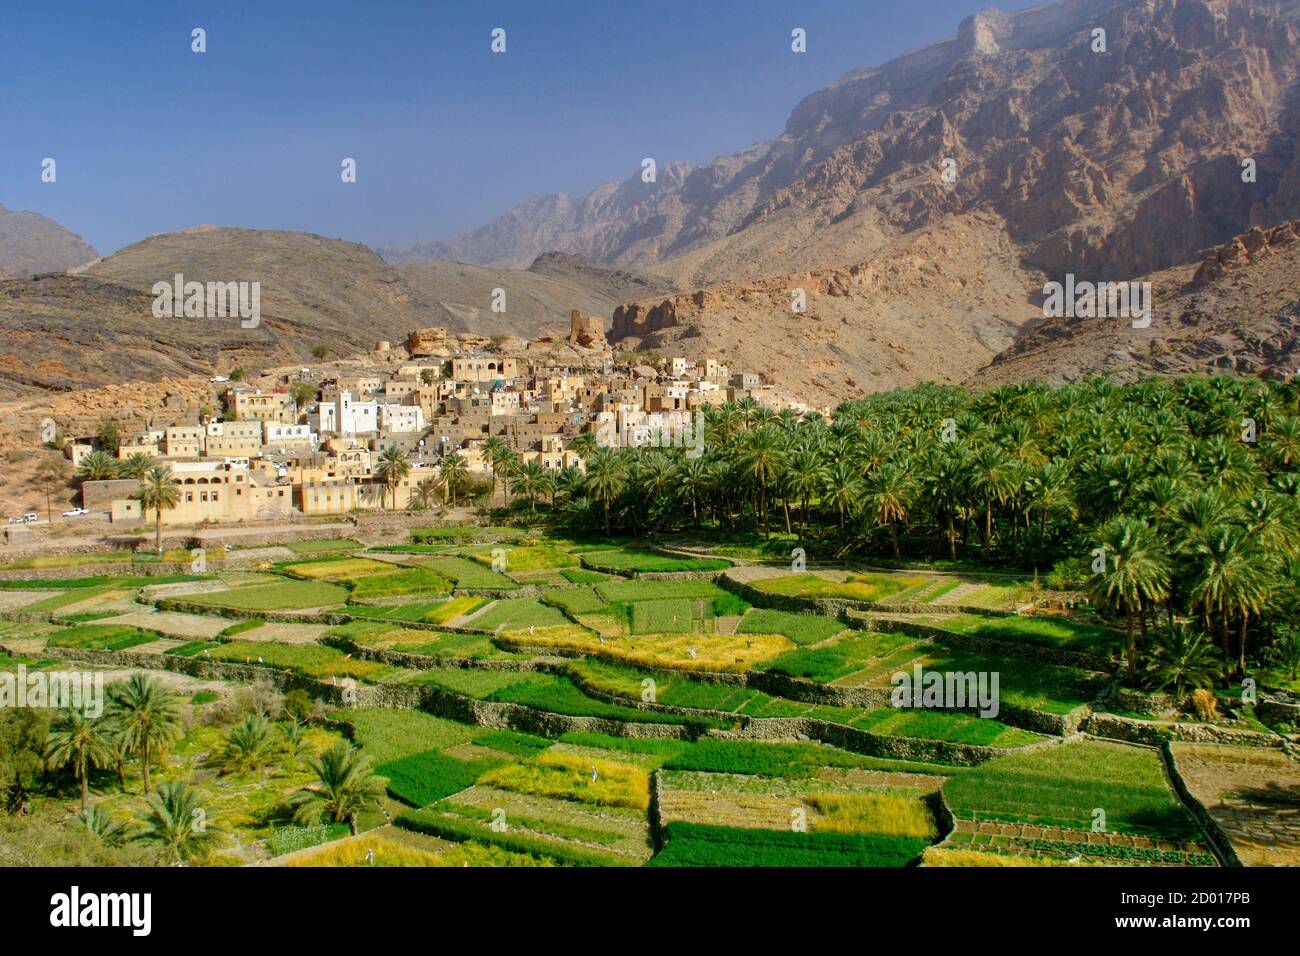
{"x":1115,"y":162}
{"x":1242,"y":251}
{"x":587,"y":331}
{"x":426,"y":341}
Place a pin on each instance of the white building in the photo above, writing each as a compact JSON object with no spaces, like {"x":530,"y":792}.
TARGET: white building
{"x":342,"y":415}
{"x":401,"y":418}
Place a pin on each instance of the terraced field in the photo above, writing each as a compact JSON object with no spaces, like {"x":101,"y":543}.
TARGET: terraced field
{"x":599,"y":716}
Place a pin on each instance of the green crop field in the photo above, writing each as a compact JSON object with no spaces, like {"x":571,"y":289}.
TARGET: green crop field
{"x":100,"y":637}
{"x":518,"y":612}
{"x":850,"y":653}
{"x":275,"y":594}
{"x":1042,"y":631}
{"x":468,"y":574}
{"x":800,"y":628}
{"x":857,"y":587}
{"x":631,"y":560}
{"x":1063,"y":786}
{"x":690,"y":844}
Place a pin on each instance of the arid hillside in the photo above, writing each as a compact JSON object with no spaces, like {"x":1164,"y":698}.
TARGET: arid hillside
{"x":31,"y":243}
{"x":71,"y":331}
{"x":1238,"y":311}
{"x":936,"y":309}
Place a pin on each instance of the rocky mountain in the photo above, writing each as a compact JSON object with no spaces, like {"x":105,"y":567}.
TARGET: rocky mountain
{"x":31,"y":243}
{"x":70,"y":331}
{"x":1238,"y":310}
{"x":1102,"y":137}
{"x":615,"y":222}
{"x":459,"y":296}
{"x":937,"y":307}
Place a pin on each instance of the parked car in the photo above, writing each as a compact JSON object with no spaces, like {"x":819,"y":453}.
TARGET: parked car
{"x":76,"y":512}
{"x":31,"y":518}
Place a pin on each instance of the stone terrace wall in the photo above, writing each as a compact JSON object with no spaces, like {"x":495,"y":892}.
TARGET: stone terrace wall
{"x":1115,"y":727}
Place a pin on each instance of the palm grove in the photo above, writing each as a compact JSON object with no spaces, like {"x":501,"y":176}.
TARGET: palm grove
{"x":1171,"y":504}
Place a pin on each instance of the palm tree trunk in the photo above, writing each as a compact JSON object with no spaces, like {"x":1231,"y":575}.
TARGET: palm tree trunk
{"x":952,"y":538}
{"x":1130,"y":649}
{"x":85,"y":788}
{"x":144,"y":759}
{"x":893,"y":533}
{"x":157,"y":530}
{"x":1241,"y":648}
{"x":608,"y":533}
{"x":1142,"y":624}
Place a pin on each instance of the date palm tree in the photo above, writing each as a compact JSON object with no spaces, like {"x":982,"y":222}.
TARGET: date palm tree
{"x":159,"y":492}
{"x":177,"y":820}
{"x":494,"y":449}
{"x":604,"y":481}
{"x":80,"y":742}
{"x":135,"y":465}
{"x":394,"y":465}
{"x":249,"y":744}
{"x":1182,"y":658}
{"x":345,"y":786}
{"x":889,"y":494}
{"x":146,"y":717}
{"x":1233,"y":580}
{"x":426,"y":493}
{"x":763,"y":461}
{"x":1135,"y":573}
{"x":530,"y":481}
{"x":99,"y":822}
{"x":455,"y":473}
{"x":97,"y":466}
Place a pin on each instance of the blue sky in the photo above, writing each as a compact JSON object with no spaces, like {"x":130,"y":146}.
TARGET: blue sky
{"x":151,"y":137}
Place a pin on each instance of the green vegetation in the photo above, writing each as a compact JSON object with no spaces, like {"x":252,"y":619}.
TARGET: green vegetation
{"x":629,"y":560}
{"x":280,"y":594}
{"x":690,"y":844}
{"x":310,"y":660}
{"x":1041,"y":631}
{"x":518,"y":612}
{"x":1062,"y":786}
{"x":800,"y":628}
{"x":849,"y":654}
{"x":401,"y":581}
{"x":422,"y":778}
{"x":513,"y":742}
{"x":856,"y":587}
{"x":388,"y":734}
{"x":787,"y":761}
{"x":468,"y":574}
{"x":101,"y":637}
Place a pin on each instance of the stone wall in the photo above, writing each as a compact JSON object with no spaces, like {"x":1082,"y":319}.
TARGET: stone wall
{"x":1115,"y":727}
{"x":1214,"y":835}
{"x":1037,"y":652}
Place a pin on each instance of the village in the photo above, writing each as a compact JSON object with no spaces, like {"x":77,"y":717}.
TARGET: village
{"x":309,"y":442}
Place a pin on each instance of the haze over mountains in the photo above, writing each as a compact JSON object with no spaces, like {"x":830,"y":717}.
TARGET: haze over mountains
{"x":1115,"y":163}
